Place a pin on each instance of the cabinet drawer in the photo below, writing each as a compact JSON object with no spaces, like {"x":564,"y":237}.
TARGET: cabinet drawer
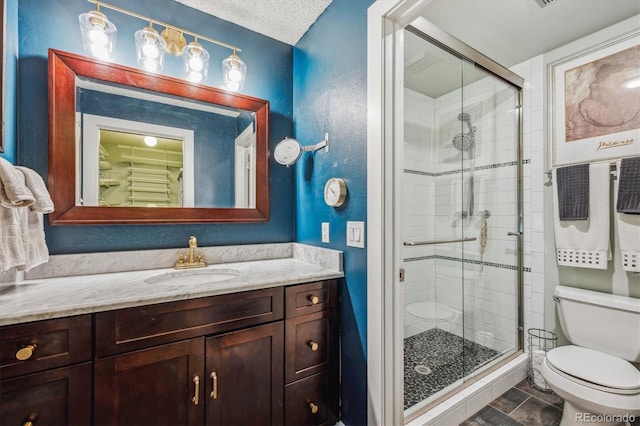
{"x":144,"y":326}
{"x":312,"y":401}
{"x":44,"y":344}
{"x":56,"y":397}
{"x":313,"y":297}
{"x":310,"y":344}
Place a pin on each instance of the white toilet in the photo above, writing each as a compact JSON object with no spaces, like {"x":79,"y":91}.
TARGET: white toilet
{"x":593,"y":375}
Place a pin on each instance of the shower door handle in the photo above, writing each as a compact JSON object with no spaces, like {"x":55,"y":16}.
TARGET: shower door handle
{"x":515,"y":234}
{"x":427,"y":243}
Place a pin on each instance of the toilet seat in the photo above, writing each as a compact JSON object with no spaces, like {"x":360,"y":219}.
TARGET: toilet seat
{"x":595,"y":369}
{"x":431,"y":311}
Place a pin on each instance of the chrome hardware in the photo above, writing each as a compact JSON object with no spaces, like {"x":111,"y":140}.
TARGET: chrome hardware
{"x":556,"y":299}
{"x":313,"y":299}
{"x":426,"y":243}
{"x":26,"y":352}
{"x":485,"y":214}
{"x":514,"y":234}
{"x":196,"y":395}
{"x":313,"y":345}
{"x":192,"y":260}
{"x":214,"y":391}
{"x":313,"y":407}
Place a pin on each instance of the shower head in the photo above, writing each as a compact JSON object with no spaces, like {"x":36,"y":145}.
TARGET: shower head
{"x":464,"y":142}
{"x":463,"y":116}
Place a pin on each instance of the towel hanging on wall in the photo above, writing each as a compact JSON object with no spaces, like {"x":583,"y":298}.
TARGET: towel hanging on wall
{"x":585,"y":243}
{"x":627,"y":221}
{"x":23,"y":201}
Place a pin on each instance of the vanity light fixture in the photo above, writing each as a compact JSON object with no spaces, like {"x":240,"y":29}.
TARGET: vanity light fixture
{"x":196,"y":62}
{"x":99,"y":35}
{"x":150,"y":47}
{"x":234,"y":71}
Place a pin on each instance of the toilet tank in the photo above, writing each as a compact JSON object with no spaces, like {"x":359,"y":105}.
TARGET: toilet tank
{"x":604,"y":322}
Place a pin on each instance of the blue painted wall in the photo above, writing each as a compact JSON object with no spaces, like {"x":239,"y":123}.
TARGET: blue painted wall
{"x":54,"y":24}
{"x":10,"y":62}
{"x":330,"y":95}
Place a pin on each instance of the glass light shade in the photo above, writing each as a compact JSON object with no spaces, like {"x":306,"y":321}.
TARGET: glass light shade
{"x":98,"y":34}
{"x":150,"y":49}
{"x":196,"y":62}
{"x":234,"y":72}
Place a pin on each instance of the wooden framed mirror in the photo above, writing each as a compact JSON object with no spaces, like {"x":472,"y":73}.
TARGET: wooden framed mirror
{"x":211,"y":163}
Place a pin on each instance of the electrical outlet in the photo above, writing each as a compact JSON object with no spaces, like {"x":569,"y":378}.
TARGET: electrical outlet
{"x":355,"y":234}
{"x":325,"y":232}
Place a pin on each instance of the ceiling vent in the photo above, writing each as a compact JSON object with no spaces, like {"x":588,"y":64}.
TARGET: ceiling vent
{"x":543,"y":3}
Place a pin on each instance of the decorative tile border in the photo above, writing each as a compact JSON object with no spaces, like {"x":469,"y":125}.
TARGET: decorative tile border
{"x":468,"y":169}
{"x":469,"y":261}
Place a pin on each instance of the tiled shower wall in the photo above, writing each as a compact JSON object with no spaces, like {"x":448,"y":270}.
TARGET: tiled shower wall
{"x":435,"y":177}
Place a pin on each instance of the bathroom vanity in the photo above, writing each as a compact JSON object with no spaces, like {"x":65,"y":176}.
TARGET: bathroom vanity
{"x":241,"y":351}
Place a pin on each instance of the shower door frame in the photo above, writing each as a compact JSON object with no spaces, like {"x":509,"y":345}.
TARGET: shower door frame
{"x":387,"y":20}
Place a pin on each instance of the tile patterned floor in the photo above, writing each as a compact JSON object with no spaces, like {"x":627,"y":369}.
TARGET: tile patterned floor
{"x":520,"y":405}
{"x":432,"y":361}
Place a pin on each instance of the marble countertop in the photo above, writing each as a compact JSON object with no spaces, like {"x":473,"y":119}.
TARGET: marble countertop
{"x":55,"y":297}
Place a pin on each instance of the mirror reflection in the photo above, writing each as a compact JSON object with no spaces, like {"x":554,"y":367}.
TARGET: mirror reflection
{"x":210,"y":162}
{"x":147,"y":149}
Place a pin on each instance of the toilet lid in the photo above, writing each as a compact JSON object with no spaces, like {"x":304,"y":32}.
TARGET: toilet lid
{"x":595,"y":367}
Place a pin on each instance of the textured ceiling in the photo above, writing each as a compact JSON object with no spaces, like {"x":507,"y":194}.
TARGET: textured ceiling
{"x":283,"y":20}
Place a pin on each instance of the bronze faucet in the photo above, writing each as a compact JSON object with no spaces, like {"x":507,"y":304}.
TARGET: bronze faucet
{"x":192,"y":260}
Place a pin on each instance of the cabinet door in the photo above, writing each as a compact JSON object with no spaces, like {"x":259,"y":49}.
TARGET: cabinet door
{"x":245,"y":377}
{"x":54,"y":397}
{"x":158,"y":386}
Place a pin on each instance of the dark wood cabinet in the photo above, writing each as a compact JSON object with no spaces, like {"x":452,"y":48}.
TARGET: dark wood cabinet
{"x":245,"y":380}
{"x":162,"y":385}
{"x":311,"y":348}
{"x":261,"y":357}
{"x":54,"y":397}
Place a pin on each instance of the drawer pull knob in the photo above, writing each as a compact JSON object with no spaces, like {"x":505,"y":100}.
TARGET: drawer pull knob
{"x":313,"y":299}
{"x":214,"y":391}
{"x":313,"y":345}
{"x":313,"y":408}
{"x":26,"y":352}
{"x":195,"y":399}
{"x":30,"y":420}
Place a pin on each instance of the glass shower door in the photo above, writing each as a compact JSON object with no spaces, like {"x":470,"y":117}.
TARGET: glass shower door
{"x":459,"y":201}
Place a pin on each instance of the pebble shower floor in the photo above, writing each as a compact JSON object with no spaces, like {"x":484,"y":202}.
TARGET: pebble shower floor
{"x":434,"y":359}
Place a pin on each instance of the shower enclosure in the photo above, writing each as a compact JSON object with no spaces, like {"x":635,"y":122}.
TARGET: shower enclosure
{"x":461,"y":214}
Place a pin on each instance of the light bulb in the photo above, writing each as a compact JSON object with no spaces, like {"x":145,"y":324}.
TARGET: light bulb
{"x":97,"y":36}
{"x":151,"y":65}
{"x":235,"y":74}
{"x":150,"y":140}
{"x":233,"y":86}
{"x":195,"y":63}
{"x":150,"y":49}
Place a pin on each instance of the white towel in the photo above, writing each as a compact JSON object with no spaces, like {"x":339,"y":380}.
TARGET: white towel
{"x":35,"y":247}
{"x":585,"y":243}
{"x":628,"y":226}
{"x":11,"y":244}
{"x":36,"y":185}
{"x":13,"y":190}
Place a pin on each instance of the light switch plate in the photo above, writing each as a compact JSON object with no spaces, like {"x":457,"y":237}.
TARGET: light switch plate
{"x":355,"y":234}
{"x":325,"y":232}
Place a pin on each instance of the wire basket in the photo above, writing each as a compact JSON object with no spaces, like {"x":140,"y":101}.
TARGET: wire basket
{"x":540,"y":342}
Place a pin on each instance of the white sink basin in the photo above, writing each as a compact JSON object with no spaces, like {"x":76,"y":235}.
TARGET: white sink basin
{"x":192,"y":276}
